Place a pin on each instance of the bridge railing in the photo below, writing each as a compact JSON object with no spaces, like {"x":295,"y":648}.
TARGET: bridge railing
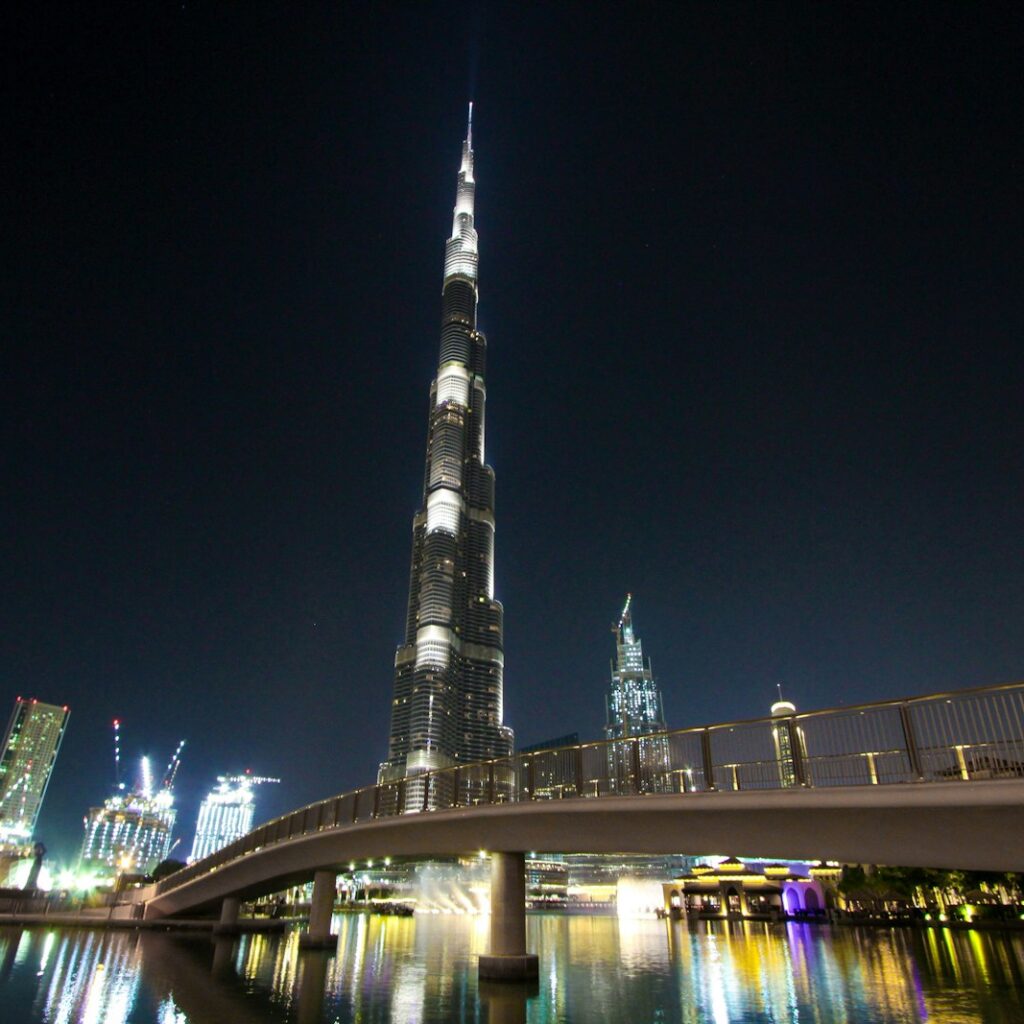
{"x":963,"y":735}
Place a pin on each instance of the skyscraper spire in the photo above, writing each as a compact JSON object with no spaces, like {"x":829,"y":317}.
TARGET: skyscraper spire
{"x":625,"y":629}
{"x":447,"y":704}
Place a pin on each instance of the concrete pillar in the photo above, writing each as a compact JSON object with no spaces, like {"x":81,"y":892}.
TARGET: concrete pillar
{"x":319,"y":935}
{"x":507,"y":959}
{"x":228,"y":923}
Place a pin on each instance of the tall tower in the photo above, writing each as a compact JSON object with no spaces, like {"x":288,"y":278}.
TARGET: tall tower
{"x":783,"y":735}
{"x":27,"y":757}
{"x":634,"y":709}
{"x":132,"y":830}
{"x":226,"y":813}
{"x":447,"y":706}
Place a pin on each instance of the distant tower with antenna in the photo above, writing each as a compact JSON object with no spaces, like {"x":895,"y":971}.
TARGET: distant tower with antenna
{"x":634,"y":709}
{"x":784,"y":735}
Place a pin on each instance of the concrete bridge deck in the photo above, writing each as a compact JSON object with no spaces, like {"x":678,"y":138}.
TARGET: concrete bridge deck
{"x":978,"y":826}
{"x":934,"y":781}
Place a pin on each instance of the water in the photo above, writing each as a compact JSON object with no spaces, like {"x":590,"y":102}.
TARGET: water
{"x":423,"y":971}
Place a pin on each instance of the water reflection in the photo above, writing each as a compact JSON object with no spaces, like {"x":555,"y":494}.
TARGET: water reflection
{"x":423,"y":971}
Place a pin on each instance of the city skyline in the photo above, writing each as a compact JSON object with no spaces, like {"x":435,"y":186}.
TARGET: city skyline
{"x":756,"y":322}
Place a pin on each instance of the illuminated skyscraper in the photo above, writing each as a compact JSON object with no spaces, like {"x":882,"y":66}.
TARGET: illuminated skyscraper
{"x":226,"y":813}
{"x":783,"y":736}
{"x":447,"y":706}
{"x":132,"y":830}
{"x":634,"y":709}
{"x":28,"y":754}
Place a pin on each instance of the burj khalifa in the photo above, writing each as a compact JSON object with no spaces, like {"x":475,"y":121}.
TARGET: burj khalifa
{"x":447,"y":704}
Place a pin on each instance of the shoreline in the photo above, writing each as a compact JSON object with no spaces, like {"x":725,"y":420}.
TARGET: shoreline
{"x":254,"y":925}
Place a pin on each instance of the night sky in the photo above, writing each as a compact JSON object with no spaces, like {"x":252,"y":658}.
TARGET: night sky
{"x":751,"y":278}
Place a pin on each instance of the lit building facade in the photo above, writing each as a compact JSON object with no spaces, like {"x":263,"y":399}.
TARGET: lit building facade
{"x":128,"y":833}
{"x":132,"y":831}
{"x":447,"y":701}
{"x":29,"y":751}
{"x":225,"y":814}
{"x":737,"y":889}
{"x":634,"y":709}
{"x":788,"y":740}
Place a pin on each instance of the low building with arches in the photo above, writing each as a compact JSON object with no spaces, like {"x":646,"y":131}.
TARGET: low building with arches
{"x":736,"y":890}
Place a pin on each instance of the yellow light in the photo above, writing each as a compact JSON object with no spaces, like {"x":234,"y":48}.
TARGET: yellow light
{"x":483,"y":854}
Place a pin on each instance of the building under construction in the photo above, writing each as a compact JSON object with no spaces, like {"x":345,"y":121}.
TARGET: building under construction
{"x":132,"y":831}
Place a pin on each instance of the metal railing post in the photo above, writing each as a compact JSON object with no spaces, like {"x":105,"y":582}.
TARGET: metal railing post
{"x":426,"y":792}
{"x":709,"y":766}
{"x":911,"y":742}
{"x":455,"y":787}
{"x":637,"y":774}
{"x":530,"y":778}
{"x":376,"y":802}
{"x":579,"y":771}
{"x":400,"y":797}
{"x":490,"y":782}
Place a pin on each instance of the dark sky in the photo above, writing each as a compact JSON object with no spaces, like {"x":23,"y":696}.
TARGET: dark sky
{"x":751,"y":277}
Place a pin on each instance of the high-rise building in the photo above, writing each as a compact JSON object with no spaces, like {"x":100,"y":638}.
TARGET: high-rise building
{"x":447,"y":706}
{"x":129,"y":832}
{"x":634,"y":709}
{"x":788,"y":740}
{"x":29,"y":751}
{"x":132,"y":831}
{"x":226,"y":813}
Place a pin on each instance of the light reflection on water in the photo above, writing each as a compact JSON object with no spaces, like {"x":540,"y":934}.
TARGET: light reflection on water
{"x":423,"y":971}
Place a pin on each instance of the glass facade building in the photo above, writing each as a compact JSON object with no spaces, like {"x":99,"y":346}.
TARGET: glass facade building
{"x":29,"y":751}
{"x":225,"y":814}
{"x":789,"y":741}
{"x":447,"y":700}
{"x":634,"y":709}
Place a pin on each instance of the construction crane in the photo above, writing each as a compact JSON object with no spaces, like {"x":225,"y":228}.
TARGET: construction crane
{"x":245,"y":779}
{"x":117,"y":754}
{"x":173,"y":765}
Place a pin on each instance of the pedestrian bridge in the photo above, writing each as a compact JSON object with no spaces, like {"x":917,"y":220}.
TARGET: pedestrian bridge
{"x":934,"y":781}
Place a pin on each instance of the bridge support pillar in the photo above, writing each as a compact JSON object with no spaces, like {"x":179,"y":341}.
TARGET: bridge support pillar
{"x":319,"y":935}
{"x":228,"y":923}
{"x":507,"y":959}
